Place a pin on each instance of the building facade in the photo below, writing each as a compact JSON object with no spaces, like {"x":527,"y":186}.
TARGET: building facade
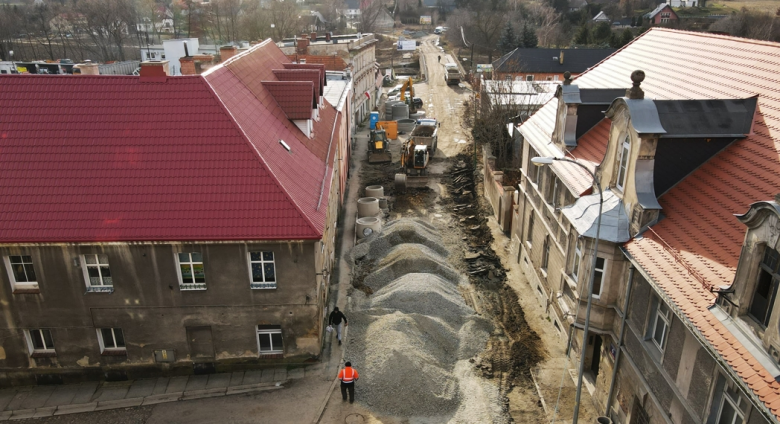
{"x":683,"y":327}
{"x":197,"y":236}
{"x":524,"y":64}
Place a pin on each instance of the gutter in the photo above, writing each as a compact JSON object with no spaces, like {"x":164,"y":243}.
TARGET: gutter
{"x":724,"y":365}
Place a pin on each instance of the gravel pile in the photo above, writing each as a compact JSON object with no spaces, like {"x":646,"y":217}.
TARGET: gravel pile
{"x":410,"y":258}
{"x":413,"y":337}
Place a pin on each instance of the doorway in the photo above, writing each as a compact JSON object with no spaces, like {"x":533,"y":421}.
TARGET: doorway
{"x":596,"y":356}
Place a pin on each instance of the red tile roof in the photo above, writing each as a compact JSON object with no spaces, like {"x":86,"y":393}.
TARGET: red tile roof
{"x":111,"y":158}
{"x":313,"y":75}
{"x":331,"y":63}
{"x":698,"y":243}
{"x":294,"y":97}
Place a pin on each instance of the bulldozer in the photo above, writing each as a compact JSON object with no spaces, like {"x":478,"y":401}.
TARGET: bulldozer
{"x":414,"y":164}
{"x":378,"y":147}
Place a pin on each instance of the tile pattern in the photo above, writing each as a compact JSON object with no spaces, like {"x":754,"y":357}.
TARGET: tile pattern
{"x":113,"y":158}
{"x":697,"y":245}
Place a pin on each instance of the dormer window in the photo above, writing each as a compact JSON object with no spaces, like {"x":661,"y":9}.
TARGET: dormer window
{"x":766,"y":288}
{"x":623,"y":166}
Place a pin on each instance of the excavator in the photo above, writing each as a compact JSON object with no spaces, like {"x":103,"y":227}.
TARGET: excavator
{"x":378,"y":147}
{"x":414,"y":161}
{"x":408,"y":85}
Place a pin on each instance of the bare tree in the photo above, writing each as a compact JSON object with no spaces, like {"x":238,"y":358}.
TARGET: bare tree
{"x":750,"y":24}
{"x":370,"y":10}
{"x":107,"y":23}
{"x":254,"y":23}
{"x":40,"y":15}
{"x":285,"y":18}
{"x":331,"y":11}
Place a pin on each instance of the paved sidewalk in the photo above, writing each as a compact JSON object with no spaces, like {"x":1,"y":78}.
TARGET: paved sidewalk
{"x":45,"y":401}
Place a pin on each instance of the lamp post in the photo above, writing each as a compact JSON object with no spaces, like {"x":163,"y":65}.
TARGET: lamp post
{"x":461,"y":85}
{"x":541,"y":161}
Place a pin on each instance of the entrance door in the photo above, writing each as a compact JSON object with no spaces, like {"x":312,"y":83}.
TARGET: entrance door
{"x":596,"y":361}
{"x":201,"y":344}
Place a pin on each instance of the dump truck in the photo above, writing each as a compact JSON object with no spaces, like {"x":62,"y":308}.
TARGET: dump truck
{"x":378,"y":147}
{"x":414,"y":164}
{"x":452,"y":74}
{"x":426,"y":133}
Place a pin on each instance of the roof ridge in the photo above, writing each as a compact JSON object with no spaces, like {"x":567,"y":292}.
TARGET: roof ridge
{"x":257,"y":153}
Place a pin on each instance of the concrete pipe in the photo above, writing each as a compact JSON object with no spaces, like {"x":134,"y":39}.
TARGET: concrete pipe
{"x":389,"y":108}
{"x":603,"y":420}
{"x":406,"y":125}
{"x":375,"y":191}
{"x":368,"y":206}
{"x":364,"y":227}
{"x":400,"y":111}
{"x":400,"y":183}
{"x":420,"y":114}
{"x":382,"y":203}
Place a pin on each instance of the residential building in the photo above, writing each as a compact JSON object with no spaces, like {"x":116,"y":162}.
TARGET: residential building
{"x":157,"y":225}
{"x":662,"y":14}
{"x":601,"y":17}
{"x":523,"y":64}
{"x":358,"y":51}
{"x":175,"y":49}
{"x":684,"y":323}
{"x":683,"y":3}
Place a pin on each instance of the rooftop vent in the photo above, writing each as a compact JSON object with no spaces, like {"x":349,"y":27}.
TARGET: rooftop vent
{"x":286,"y":147}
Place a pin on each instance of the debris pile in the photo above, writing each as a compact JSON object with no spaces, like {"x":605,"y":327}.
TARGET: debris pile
{"x":414,"y":336}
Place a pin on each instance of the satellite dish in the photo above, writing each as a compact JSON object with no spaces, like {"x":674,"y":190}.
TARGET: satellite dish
{"x":367,"y":232}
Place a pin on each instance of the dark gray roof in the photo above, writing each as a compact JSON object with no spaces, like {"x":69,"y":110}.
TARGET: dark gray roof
{"x":600,"y":96}
{"x":706,"y":118}
{"x":575,"y":61}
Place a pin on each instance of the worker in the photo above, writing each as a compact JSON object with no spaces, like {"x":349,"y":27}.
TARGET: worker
{"x":335,"y":319}
{"x":439,"y":58}
{"x":348,"y":377}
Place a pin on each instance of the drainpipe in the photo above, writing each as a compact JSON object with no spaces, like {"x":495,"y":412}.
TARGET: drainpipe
{"x":620,"y":341}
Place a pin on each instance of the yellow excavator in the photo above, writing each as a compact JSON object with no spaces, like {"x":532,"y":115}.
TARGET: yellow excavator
{"x":414,"y":161}
{"x":378,"y":147}
{"x":408,"y":85}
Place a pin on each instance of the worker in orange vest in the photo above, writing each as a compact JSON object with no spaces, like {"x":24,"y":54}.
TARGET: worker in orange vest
{"x":348,"y":376}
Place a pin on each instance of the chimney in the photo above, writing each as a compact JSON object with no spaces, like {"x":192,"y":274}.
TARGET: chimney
{"x":187,"y":65}
{"x":226,"y":52}
{"x":560,"y":58}
{"x":635,"y":92}
{"x":156,"y":71}
{"x":88,"y":68}
{"x":328,"y":35}
{"x":303,"y":46}
{"x":313,"y":36}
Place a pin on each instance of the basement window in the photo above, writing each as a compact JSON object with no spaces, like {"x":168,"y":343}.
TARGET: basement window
{"x":269,"y":339}
{"x":40,"y":342}
{"x":112,"y":341}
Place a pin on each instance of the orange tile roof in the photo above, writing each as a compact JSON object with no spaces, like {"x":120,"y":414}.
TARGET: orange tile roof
{"x":697,"y":244}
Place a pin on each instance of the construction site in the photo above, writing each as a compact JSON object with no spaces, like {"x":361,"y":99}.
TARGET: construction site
{"x":438,"y":327}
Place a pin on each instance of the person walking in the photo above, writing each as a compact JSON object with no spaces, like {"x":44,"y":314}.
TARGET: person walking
{"x":348,"y":377}
{"x":439,"y":59}
{"x":335,"y":319}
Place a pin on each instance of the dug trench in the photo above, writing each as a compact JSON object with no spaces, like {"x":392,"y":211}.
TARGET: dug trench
{"x":452,"y":204}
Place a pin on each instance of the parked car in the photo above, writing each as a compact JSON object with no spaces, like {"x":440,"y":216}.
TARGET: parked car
{"x":438,"y":30}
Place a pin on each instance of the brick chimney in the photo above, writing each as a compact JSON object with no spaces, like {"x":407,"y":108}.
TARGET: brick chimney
{"x":303,"y":46}
{"x":313,"y":36}
{"x":635,"y":92}
{"x":154,"y":71}
{"x":88,"y":68}
{"x":187,"y":65}
{"x":226,"y":52}
{"x":328,"y":35}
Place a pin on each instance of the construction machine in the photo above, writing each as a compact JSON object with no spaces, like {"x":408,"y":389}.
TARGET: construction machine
{"x":408,"y":85}
{"x":378,"y":147}
{"x":414,"y":161}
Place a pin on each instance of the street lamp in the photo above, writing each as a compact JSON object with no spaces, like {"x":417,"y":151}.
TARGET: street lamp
{"x":461,"y":85}
{"x":541,"y":161}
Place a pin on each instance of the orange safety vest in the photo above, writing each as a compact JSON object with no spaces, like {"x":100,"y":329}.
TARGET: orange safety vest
{"x":353,"y":375}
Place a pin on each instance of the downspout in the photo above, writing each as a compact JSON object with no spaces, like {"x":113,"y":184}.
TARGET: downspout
{"x":620,"y":340}
{"x":327,"y":158}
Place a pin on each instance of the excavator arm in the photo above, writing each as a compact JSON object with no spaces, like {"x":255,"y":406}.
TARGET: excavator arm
{"x":408,"y":84}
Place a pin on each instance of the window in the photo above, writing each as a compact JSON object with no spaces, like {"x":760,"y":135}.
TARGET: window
{"x":40,"y":341}
{"x":621,"y":178}
{"x":555,"y":77}
{"x":598,"y":277}
{"x":97,"y":273}
{"x":533,"y":170}
{"x":112,"y":340}
{"x":263,"y":270}
{"x":549,"y":78}
{"x":530,"y":236}
{"x":766,"y":289}
{"x":733,"y":407}
{"x":575,"y":269}
{"x":519,"y":78}
{"x":508,"y":78}
{"x":21,"y":272}
{"x":193,"y":276}
{"x":660,"y":321}
{"x":546,"y":252}
{"x":529,"y":77}
{"x":269,"y":339}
